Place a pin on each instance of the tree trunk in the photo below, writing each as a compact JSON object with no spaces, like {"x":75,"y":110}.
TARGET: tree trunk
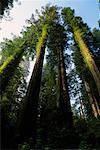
{"x":64,"y":100}
{"x":87,"y":58}
{"x":8,"y":68}
{"x":92,"y":100}
{"x":28,"y":121}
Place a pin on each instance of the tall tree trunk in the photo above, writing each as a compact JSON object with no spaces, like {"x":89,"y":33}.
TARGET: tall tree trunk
{"x":8,"y":68}
{"x":28,"y":121}
{"x":92,"y":100}
{"x":64,"y":93}
{"x":7,"y":71}
{"x":87,"y":57}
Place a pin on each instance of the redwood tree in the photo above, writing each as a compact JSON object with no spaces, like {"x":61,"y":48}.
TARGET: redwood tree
{"x":28,"y":121}
{"x":57,"y":44}
{"x":77,"y":27}
{"x":12,"y":53}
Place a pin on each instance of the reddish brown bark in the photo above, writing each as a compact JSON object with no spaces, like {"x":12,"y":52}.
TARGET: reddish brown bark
{"x":92,"y":100}
{"x":64,"y":99}
{"x":28,"y":120}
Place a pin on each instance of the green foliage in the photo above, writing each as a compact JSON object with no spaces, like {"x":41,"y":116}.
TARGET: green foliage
{"x":10,"y":48}
{"x":41,"y":39}
{"x":52,"y":131}
{"x":24,"y":146}
{"x":11,"y":101}
{"x":84,"y":49}
{"x":49,"y":15}
{"x":84,"y":145}
{"x":5,"y":5}
{"x":75,"y":23}
{"x":26,"y":43}
{"x":88,"y":133}
{"x":96,"y":46}
{"x":96,"y":39}
{"x":9,"y":59}
{"x":48,"y":88}
{"x":12,"y":52}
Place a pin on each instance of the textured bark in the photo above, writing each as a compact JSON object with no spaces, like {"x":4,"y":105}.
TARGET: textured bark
{"x":87,"y":58}
{"x":92,"y":100}
{"x":64,"y":99}
{"x":29,"y":117}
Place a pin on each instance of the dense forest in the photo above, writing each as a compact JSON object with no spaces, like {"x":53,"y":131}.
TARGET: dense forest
{"x":59,"y":107}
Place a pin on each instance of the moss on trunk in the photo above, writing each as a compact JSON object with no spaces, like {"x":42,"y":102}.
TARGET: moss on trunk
{"x":28,"y":118}
{"x":87,"y":58}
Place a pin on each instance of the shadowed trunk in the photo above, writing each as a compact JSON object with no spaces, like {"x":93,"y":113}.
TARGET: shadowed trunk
{"x":64,"y":100}
{"x":92,"y":100}
{"x":28,"y":122}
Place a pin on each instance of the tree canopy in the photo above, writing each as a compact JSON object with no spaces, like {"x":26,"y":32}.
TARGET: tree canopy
{"x":59,"y":107}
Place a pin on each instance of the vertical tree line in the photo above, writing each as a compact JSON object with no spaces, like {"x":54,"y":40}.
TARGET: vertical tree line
{"x":40,"y":114}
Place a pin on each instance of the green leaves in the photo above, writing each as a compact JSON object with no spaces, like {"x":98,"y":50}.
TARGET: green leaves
{"x":52,"y":129}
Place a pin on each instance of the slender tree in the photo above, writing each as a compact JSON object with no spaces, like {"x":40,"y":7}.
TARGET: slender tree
{"x":10,"y":106}
{"x":92,"y":100}
{"x":76,"y":25}
{"x":85,"y":76}
{"x":34,"y":85}
{"x":14,"y":51}
{"x":64,"y":91}
{"x":8,"y":67}
{"x":29,"y":118}
{"x":58,"y":45}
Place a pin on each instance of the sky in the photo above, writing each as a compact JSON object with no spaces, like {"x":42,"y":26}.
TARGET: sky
{"x":87,"y":9}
